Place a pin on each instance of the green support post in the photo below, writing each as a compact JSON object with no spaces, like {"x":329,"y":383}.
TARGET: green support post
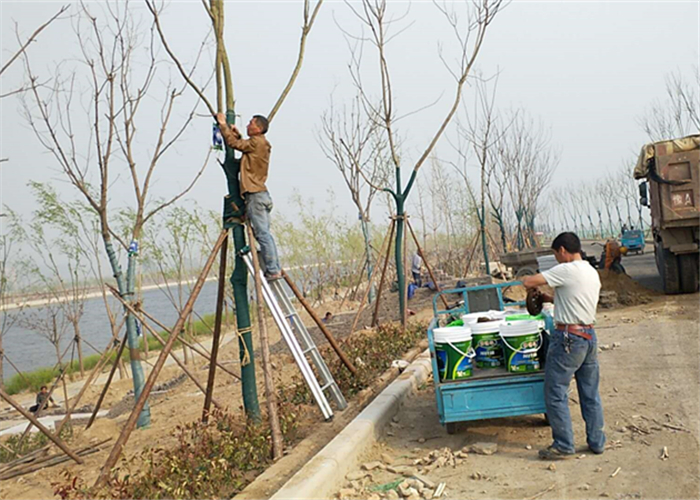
{"x":234,"y":209}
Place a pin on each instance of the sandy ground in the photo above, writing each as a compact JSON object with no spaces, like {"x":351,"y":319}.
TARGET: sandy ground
{"x":649,"y":387}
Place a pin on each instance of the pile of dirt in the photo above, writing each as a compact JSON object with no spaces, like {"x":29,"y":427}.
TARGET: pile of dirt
{"x":621,"y":289}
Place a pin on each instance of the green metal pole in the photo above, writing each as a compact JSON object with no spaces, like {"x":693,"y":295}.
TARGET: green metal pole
{"x":398,"y":255}
{"x":234,"y":209}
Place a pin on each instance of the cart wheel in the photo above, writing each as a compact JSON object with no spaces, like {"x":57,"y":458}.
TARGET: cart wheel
{"x":451,"y":427}
{"x":546,"y":419}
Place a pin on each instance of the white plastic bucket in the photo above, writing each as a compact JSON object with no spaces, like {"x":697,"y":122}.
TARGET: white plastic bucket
{"x":453,"y":349}
{"x":521,"y":341}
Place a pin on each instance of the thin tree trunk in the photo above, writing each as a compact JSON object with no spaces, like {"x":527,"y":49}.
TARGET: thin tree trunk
{"x":79,"y":345}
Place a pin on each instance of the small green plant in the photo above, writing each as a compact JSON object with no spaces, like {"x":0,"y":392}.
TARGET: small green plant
{"x":213,"y":460}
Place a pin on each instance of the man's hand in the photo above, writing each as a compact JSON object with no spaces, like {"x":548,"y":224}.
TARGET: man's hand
{"x":221,"y":120}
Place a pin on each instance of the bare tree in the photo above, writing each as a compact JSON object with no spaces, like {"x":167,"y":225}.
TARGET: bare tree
{"x":530,"y":161}
{"x":374,"y":17}
{"x":678,"y":114}
{"x":352,"y":143}
{"x":9,"y":286}
{"x":110,"y":51}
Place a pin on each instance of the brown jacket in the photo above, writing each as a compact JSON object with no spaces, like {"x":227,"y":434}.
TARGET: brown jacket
{"x":254,"y":163}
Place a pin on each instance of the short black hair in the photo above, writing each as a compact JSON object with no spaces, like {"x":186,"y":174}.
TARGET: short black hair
{"x":43,"y":387}
{"x":569,"y":241}
{"x":262,"y":122}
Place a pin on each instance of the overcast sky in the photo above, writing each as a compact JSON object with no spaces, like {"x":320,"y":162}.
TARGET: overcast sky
{"x":587,"y":69}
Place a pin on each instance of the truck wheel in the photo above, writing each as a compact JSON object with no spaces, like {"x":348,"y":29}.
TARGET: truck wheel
{"x":668,"y":269}
{"x":525,"y":271}
{"x":688,"y":267}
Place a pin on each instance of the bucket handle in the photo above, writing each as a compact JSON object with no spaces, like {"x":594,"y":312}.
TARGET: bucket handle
{"x":469,"y":354}
{"x":524,"y":351}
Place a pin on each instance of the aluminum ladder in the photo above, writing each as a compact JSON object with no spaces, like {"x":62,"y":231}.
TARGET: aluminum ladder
{"x":300,"y":342}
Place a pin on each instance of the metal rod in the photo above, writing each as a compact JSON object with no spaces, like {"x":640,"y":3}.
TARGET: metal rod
{"x":319,"y":323}
{"x":56,"y":440}
{"x":375,"y":316}
{"x":209,"y":394}
{"x":150,"y":382}
{"x":427,"y":266}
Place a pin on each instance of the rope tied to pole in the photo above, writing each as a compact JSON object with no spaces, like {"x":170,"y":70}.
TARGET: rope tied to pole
{"x":246,"y":353}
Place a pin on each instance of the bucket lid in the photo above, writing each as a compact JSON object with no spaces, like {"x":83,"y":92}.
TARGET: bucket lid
{"x":487,"y":327}
{"x":452,"y":334}
{"x":518,"y":328}
{"x":474,"y":317}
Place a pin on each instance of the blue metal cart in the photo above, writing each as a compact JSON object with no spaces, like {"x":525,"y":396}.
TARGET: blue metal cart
{"x":488,"y":393}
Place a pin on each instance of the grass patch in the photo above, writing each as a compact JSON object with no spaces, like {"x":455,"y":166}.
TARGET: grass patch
{"x":33,"y":380}
{"x":34,"y":441}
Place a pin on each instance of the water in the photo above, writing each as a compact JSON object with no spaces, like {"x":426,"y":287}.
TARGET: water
{"x":29,"y":350}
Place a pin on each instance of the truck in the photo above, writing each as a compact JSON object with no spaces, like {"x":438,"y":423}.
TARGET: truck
{"x":670,"y":187}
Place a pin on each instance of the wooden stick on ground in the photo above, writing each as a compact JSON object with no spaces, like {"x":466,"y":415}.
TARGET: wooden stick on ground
{"x":162,"y":342}
{"x":209,"y":394}
{"x":331,"y":339}
{"x":152,"y":377}
{"x":425,"y":261}
{"x":369,"y":283}
{"x":270,"y":393}
{"x":375,"y":316}
{"x":56,"y":440}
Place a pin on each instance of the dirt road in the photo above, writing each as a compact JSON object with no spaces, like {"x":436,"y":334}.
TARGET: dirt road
{"x":649,"y":387}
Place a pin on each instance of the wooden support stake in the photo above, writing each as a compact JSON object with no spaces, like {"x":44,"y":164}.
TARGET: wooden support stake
{"x":369,"y":283}
{"x":152,"y":377}
{"x":471,"y":254}
{"x":199,"y":351}
{"x":115,"y":365}
{"x":160,"y":340}
{"x":425,"y":261}
{"x":209,"y":394}
{"x":375,"y":316}
{"x":331,"y":339}
{"x":270,"y":393}
{"x":55,"y":439}
{"x":352,"y":288}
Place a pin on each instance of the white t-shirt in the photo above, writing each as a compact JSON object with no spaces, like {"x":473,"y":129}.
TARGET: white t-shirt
{"x":416,"y":263}
{"x":577,"y":288}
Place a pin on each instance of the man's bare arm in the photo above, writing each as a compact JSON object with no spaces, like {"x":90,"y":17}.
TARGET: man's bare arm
{"x":534,"y":281}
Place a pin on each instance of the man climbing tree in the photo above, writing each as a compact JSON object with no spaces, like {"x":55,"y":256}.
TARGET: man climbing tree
{"x":255,"y":164}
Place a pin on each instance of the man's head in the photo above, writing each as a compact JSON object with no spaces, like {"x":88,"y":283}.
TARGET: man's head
{"x":329,"y":315}
{"x":567,"y":247}
{"x":44,"y":388}
{"x":258,"y":125}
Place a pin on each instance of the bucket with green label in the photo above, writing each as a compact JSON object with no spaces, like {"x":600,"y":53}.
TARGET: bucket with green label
{"x":453,"y":349}
{"x":486,"y":340}
{"x":521,"y":341}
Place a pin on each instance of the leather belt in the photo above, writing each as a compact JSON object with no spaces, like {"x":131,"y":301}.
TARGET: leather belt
{"x":578,"y":330}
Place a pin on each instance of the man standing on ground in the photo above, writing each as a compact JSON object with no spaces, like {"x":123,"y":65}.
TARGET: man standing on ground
{"x":572,"y":348}
{"x":255,"y":164}
{"x":416,"y":263}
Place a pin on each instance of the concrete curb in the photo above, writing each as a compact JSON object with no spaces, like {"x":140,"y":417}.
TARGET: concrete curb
{"x":325,"y":473}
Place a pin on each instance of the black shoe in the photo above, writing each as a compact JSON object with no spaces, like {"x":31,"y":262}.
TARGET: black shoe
{"x":553,"y":453}
{"x":597,"y":451}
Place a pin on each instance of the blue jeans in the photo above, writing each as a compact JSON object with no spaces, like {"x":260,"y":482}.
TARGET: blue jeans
{"x":258,"y":208}
{"x":570,"y":355}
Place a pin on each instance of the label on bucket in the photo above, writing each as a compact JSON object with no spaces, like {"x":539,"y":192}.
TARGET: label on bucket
{"x":453,"y":360}
{"x":523,"y":355}
{"x":489,"y":351}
